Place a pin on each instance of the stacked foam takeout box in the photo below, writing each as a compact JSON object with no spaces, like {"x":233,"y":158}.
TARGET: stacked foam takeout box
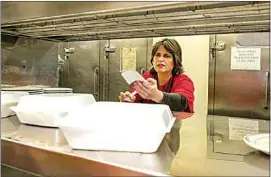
{"x":118,"y":126}
{"x":48,"y":109}
{"x":10,"y":96}
{"x":9,"y":99}
{"x":92,"y":125}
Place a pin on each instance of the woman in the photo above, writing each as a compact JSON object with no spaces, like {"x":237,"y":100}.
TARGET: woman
{"x":166,"y":84}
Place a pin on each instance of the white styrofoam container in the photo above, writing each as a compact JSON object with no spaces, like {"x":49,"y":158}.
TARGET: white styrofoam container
{"x":117,"y":126}
{"x":5,"y":109}
{"x":9,"y":99}
{"x":48,"y":110}
{"x":60,"y":102}
{"x":11,"y":96}
{"x":47,"y":119}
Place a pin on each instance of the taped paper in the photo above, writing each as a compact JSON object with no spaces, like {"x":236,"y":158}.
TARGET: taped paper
{"x":240,"y":128}
{"x":128,"y":59}
{"x":243,"y":58}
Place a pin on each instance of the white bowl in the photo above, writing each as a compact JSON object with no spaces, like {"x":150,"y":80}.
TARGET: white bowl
{"x":259,"y":141}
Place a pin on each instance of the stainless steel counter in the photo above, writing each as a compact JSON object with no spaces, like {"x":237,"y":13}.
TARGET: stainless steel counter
{"x":209,"y":148}
{"x":25,"y":142}
{"x":206,"y":149}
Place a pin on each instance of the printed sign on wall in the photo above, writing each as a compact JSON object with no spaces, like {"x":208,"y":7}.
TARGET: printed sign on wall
{"x":128,"y":59}
{"x":243,"y":58}
{"x":240,"y":128}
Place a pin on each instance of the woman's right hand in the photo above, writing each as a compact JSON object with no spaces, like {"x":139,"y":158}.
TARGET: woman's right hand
{"x":123,"y":96}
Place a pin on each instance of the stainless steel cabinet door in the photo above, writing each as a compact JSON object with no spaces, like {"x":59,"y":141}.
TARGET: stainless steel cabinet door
{"x":116,"y":83}
{"x":238,"y":93}
{"x":226,"y":141}
{"x":82,"y":67}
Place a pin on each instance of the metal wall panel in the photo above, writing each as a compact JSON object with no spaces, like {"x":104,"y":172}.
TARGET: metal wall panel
{"x":253,"y":39}
{"x":62,"y":69}
{"x":116,"y":81}
{"x":29,"y":62}
{"x":211,"y":80}
{"x":238,"y":93}
{"x":80,"y":67}
{"x":104,"y":68}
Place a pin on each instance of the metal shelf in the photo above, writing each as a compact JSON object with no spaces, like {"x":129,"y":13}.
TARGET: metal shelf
{"x":170,"y":19}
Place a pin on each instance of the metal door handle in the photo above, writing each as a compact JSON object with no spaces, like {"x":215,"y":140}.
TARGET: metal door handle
{"x":266,"y":90}
{"x":96,"y":80}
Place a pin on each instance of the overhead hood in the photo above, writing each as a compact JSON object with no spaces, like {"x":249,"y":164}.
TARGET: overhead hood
{"x":151,"y":20}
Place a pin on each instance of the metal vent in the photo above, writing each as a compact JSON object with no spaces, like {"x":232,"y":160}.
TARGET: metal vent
{"x":168,"y":19}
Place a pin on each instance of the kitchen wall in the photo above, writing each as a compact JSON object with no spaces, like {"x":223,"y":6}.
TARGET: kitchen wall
{"x":28,"y":62}
{"x":195,"y":51}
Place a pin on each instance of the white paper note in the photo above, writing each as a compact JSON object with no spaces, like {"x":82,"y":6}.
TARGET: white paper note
{"x":244,"y":58}
{"x":128,"y":59}
{"x":131,"y":76}
{"x":240,"y":128}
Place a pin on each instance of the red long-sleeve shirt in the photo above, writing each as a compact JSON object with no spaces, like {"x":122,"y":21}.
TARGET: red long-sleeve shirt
{"x":182,"y":85}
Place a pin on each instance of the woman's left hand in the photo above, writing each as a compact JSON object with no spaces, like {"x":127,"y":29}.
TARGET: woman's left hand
{"x":148,"y":90}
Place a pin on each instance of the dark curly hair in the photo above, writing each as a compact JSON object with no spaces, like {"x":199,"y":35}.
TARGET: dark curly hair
{"x":173,"y":47}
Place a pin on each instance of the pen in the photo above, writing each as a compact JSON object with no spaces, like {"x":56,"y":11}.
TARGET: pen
{"x":133,"y":93}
